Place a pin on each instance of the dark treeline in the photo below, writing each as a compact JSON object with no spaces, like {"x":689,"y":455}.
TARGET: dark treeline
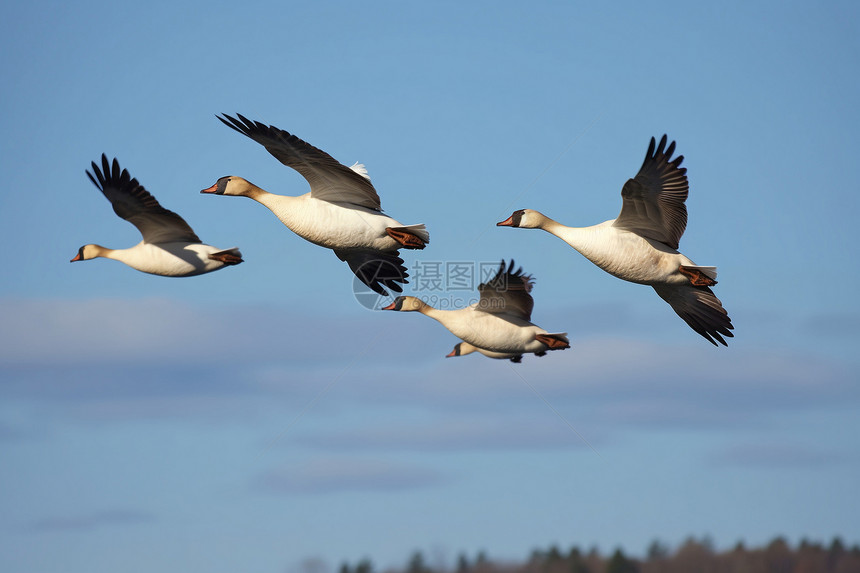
{"x":693,"y":556}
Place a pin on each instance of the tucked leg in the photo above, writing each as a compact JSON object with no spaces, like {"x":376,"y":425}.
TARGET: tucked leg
{"x":697,"y":277}
{"x":405,"y":238}
{"x":552,"y":341}
{"x":226,"y":257}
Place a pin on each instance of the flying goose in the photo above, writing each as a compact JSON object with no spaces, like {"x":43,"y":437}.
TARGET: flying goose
{"x":464,"y":348}
{"x":169,"y":247}
{"x":499,"y":321}
{"x":341,"y":212}
{"x":641,"y":245}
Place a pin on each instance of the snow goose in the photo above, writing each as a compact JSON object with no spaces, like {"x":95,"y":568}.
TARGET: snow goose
{"x":641,"y":245}
{"x":499,"y":321}
{"x":169,"y":247}
{"x":341,"y":212}
{"x":464,"y":348}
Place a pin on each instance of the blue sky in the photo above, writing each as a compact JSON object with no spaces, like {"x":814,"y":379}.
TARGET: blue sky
{"x":257,"y":417}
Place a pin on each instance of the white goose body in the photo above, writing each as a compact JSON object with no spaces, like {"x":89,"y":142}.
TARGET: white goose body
{"x":346,"y":226}
{"x":169,"y":247}
{"x":342,"y":212}
{"x":176,"y":259}
{"x":495,"y":332}
{"x":641,"y":244}
{"x":499,"y":322}
{"x":623,"y":254}
{"x":463,"y":348}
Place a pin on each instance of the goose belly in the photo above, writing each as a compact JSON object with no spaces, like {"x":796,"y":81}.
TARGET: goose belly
{"x":632,"y":258}
{"x":496,"y":334}
{"x":337,"y":227}
{"x":170,"y":259}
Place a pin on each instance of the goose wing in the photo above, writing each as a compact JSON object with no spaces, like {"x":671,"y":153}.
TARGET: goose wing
{"x":653,"y":201}
{"x":329,"y":179}
{"x":508,"y":293}
{"x":376,"y":269}
{"x":137,"y":206}
{"x":700,"y":309}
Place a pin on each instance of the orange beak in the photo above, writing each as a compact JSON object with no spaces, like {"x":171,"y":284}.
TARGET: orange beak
{"x":77,"y":258}
{"x":452,"y":353}
{"x":509,"y":222}
{"x":211,"y":189}
{"x":390,"y":306}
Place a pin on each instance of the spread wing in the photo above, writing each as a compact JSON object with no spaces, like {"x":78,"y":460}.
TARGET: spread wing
{"x":700,"y":309}
{"x":654,"y":200}
{"x":329,"y":179}
{"x":376,"y":269}
{"x":508,"y":293}
{"x":135,"y":204}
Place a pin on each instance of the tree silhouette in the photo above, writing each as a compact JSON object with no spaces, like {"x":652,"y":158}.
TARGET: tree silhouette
{"x":657,"y":551}
{"x":576,"y":562}
{"x":462,"y":563}
{"x":693,"y":556}
{"x":364,"y":566}
{"x":618,"y":563}
{"x":417,"y":564}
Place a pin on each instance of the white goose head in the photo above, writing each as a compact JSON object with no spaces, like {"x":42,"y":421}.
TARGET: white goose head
{"x":231,"y":185}
{"x":525,"y":219}
{"x":88,"y":252}
{"x":406,"y":304}
{"x":461,"y":349}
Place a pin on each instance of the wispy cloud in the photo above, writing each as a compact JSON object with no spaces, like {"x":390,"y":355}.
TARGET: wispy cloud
{"x":185,"y":361}
{"x":330,"y":475}
{"x":842,"y":324}
{"x":454,"y":434}
{"x":776,"y":456}
{"x":90,"y":521}
{"x":161,"y":330}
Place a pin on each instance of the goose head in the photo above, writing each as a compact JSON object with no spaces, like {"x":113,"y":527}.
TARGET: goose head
{"x":461,"y":349}
{"x":88,"y":252}
{"x":525,"y":219}
{"x":406,"y":304}
{"x":230,"y":185}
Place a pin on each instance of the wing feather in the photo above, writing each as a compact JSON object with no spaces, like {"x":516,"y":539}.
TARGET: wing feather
{"x":508,"y":293}
{"x":653,"y":201}
{"x":329,"y":179}
{"x":136,"y":205}
{"x":376,"y":269}
{"x":700,"y":309}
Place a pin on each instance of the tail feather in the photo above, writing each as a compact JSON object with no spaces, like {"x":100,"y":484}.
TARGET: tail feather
{"x":231,"y":256}
{"x":710,"y":272}
{"x":554,"y":340}
{"x":419,"y":230}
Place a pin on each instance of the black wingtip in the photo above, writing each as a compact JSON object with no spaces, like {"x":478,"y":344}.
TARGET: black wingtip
{"x":100,"y":176}
{"x":93,"y":179}
{"x":671,"y":149}
{"x":233,"y":123}
{"x":105,"y":166}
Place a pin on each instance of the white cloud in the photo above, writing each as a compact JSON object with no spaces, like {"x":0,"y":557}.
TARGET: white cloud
{"x":184,"y":360}
{"x":776,"y":456}
{"x":98,"y":519}
{"x":155,"y":331}
{"x":328,"y":475}
{"x":455,"y":433}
